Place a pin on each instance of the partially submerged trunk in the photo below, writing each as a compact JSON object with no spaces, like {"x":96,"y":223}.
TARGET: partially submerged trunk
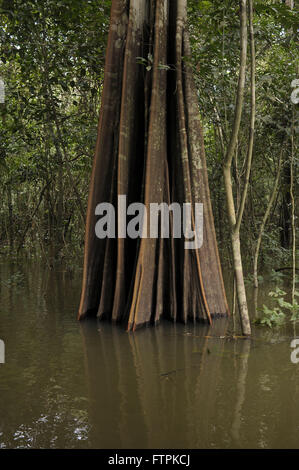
{"x":150,"y":148}
{"x":235,"y":217}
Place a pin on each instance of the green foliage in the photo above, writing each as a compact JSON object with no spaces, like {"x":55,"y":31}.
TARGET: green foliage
{"x":276,"y":316}
{"x":272,"y":317}
{"x":216,"y":48}
{"x":276,"y":275}
{"x":249,"y":280}
{"x":52,"y":62}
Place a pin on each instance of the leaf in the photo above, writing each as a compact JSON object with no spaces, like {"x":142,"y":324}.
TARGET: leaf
{"x":163,"y":67}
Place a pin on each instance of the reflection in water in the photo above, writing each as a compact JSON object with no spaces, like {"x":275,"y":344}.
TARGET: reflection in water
{"x":146,"y":389}
{"x":70,"y":385}
{"x":241,"y":389}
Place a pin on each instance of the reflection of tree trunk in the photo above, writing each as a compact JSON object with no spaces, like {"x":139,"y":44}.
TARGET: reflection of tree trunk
{"x":207,"y":384}
{"x":150,"y":148}
{"x":115,"y":417}
{"x":157,"y":392}
{"x":148,"y":390}
{"x":241,"y":390}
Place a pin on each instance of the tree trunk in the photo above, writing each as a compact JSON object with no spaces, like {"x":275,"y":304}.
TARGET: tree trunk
{"x":274,"y":191}
{"x":150,"y":148}
{"x":236,"y":218}
{"x":10,"y":216}
{"x":293,"y":208}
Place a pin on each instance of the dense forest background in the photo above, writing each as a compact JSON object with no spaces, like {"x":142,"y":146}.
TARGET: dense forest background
{"x":52,"y":63}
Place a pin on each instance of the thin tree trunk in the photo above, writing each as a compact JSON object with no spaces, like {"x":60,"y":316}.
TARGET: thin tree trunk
{"x":150,"y":148}
{"x":290,"y":4}
{"x":293,"y":211}
{"x":286,"y":202}
{"x":10,"y":216}
{"x":252,"y":118}
{"x":264,"y":221}
{"x":234,"y":220}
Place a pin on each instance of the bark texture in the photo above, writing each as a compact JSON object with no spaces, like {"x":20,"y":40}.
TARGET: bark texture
{"x":235,"y":217}
{"x":150,"y":148}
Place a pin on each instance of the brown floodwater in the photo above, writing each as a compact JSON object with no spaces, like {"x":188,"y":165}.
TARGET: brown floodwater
{"x":93,"y":385}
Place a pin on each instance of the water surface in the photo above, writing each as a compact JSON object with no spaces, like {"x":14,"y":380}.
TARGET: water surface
{"x":92,"y":385}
